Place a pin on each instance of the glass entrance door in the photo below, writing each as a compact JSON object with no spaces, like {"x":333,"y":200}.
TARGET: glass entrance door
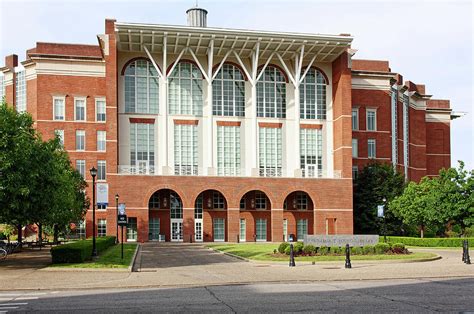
{"x":261,"y":229}
{"x":198,"y":230}
{"x":285,"y":230}
{"x":176,"y":230}
{"x":132,"y":229}
{"x":154,"y":229}
{"x":219,"y":229}
{"x":242,"y":237}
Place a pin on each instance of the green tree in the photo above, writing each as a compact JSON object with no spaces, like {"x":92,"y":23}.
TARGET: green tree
{"x":374,"y":183}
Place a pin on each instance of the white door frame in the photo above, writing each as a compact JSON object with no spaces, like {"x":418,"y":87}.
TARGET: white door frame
{"x":242,"y":237}
{"x":180,"y":229}
{"x":196,"y":238}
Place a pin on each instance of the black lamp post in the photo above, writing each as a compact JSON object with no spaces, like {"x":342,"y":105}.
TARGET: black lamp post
{"x":93,"y":171}
{"x":384,"y":200}
{"x":116,"y":208}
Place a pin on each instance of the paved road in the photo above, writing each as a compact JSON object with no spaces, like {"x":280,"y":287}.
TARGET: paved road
{"x":405,"y":295}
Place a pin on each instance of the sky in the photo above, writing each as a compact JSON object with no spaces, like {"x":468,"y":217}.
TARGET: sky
{"x":428,"y":42}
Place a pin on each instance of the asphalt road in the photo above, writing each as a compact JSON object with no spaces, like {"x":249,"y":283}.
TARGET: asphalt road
{"x":403,"y":295}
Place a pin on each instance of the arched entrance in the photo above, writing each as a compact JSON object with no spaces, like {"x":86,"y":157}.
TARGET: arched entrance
{"x":255,"y":217}
{"x":298,"y":213}
{"x":210,"y":217}
{"x":165,"y":214}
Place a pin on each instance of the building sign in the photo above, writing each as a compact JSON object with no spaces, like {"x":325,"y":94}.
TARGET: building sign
{"x":122,"y":220}
{"x":380,"y":211}
{"x":341,"y":240}
{"x":102,"y":194}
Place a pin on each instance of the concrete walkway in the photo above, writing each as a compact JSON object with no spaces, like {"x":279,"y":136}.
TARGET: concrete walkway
{"x":187,"y":265}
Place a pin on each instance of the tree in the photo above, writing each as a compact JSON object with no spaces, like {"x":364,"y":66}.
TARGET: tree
{"x":374,"y":183}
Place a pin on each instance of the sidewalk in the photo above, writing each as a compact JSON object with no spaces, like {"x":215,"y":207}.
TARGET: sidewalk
{"x":227,"y":270}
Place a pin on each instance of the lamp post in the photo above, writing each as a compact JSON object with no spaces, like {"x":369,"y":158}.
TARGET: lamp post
{"x":384,"y":200}
{"x":93,"y":172}
{"x":116,"y":217}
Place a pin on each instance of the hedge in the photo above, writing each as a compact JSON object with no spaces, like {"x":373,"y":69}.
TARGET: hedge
{"x":311,"y":250}
{"x":433,"y":242}
{"x":79,"y":251}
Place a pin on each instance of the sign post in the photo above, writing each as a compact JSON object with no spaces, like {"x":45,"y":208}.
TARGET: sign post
{"x":122,"y":220}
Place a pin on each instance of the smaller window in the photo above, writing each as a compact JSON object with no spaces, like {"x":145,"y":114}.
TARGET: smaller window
{"x":80,"y":140}
{"x":101,"y":170}
{"x":58,"y":108}
{"x":100,"y":110}
{"x":154,"y":202}
{"x":355,"y":172}
{"x":101,"y":207}
{"x":260,"y":200}
{"x":355,"y":150}
{"x":301,"y":201}
{"x":371,"y":150}
{"x":371,"y":119}
{"x":60,"y":134}
{"x":218,"y":200}
{"x":355,"y":119}
{"x":101,"y":137}
{"x":81,"y":167}
{"x":80,"y":109}
{"x":101,"y":227}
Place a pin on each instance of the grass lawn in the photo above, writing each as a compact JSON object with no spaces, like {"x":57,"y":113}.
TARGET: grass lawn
{"x":111,"y":258}
{"x":264,"y":252}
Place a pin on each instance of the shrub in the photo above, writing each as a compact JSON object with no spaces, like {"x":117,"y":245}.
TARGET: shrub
{"x":451,"y":234}
{"x":338,"y":250}
{"x":368,"y":249}
{"x":469,"y":232}
{"x":382,"y":248}
{"x":309,"y":249}
{"x":79,"y":251}
{"x":287,"y":250}
{"x":298,"y":247}
{"x":282,"y":247}
{"x":398,"y":248}
{"x":324,"y":250}
{"x":442,"y":242}
{"x":356,"y":250}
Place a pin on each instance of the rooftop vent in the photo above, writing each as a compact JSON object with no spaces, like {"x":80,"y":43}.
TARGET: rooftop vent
{"x":197,"y":17}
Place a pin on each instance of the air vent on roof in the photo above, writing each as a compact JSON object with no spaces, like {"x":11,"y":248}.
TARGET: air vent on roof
{"x":197,"y":17}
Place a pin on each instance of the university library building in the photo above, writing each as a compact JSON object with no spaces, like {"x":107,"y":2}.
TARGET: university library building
{"x":212,"y":134}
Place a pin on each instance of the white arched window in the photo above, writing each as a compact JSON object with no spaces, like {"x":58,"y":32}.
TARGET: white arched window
{"x":313,"y":95}
{"x":228,"y":92}
{"x":185,"y":89}
{"x":141,"y":87}
{"x":271,"y":94}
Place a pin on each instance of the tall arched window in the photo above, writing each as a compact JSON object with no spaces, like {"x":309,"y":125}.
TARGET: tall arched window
{"x":185,"y":89}
{"x":271,"y":94}
{"x":313,"y":95}
{"x":141,"y":87}
{"x":228,"y":92}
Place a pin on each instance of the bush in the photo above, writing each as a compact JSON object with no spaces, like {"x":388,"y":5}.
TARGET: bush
{"x":451,"y":234}
{"x":287,"y":250}
{"x":282,"y":247}
{"x":398,"y":248}
{"x":382,"y":248}
{"x":324,"y":250}
{"x":79,"y":251}
{"x":356,"y":250}
{"x":368,"y":249}
{"x":298,"y":247}
{"x":309,"y":249}
{"x":469,"y":232}
{"x":338,"y":250}
{"x":442,"y":242}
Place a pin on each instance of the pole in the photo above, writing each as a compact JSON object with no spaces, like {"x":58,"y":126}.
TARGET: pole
{"x":116,"y":217}
{"x":292,"y":256}
{"x":122,"y":242}
{"x":94,"y":249}
{"x":348,"y":257}
{"x":468,"y":259}
{"x":384,"y":229}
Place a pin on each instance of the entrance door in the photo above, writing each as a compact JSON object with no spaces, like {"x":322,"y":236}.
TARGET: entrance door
{"x":243,"y":229}
{"x":261,"y":229}
{"x":285,"y":230}
{"x":132,"y":229}
{"x":176,"y":230}
{"x":143,"y":166}
{"x":219,"y":229}
{"x":154,"y":229}
{"x":198,"y":230}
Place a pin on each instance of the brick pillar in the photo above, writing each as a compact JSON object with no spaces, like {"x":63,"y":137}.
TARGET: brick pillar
{"x":277,"y":225}
{"x":233,"y":224}
{"x":188,"y":224}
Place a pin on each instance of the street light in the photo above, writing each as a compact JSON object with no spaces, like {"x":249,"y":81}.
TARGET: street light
{"x":93,"y":172}
{"x":116,"y":208}
{"x":384,"y":200}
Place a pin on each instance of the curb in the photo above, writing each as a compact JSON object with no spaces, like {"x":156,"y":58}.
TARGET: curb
{"x":132,"y":262}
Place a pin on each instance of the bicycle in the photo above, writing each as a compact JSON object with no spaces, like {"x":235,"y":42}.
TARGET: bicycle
{"x":8,"y":249}
{"x":3,"y":254}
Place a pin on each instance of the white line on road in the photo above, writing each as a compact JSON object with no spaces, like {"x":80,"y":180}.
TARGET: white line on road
{"x":7,"y":304}
{"x":8,"y":307}
{"x":26,"y":298}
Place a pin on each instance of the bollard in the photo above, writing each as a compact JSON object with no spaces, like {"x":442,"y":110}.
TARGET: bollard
{"x":468,"y":259}
{"x":292,"y":256}
{"x":463,"y":251}
{"x":348,"y":257}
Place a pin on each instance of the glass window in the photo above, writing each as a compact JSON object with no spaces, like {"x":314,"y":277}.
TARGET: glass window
{"x":228,"y":150}
{"x":311,"y":152}
{"x":58,"y":108}
{"x":141,"y":87}
{"x":355,"y":148}
{"x":101,"y":207}
{"x":228,"y":92}
{"x":154,"y":229}
{"x":261,"y":229}
{"x":100,"y":110}
{"x":80,"y":140}
{"x":371,"y":120}
{"x":242,"y":231}
{"x":101,"y":141}
{"x":60,"y":134}
{"x":242,"y":203}
{"x":270,"y":152}
{"x":142,"y":147}
{"x":80,"y":109}
{"x":301,"y":201}
{"x":313,"y":95}
{"x":81,"y":229}
{"x":132,"y":229}
{"x":185,"y":90}
{"x":371,"y":150}
{"x":355,"y":119}
{"x":198,"y":209}
{"x":260,"y":200}
{"x":101,"y":170}
{"x":219,"y":229}
{"x":355,"y":172}
{"x":301,"y":229}
{"x":185,"y":149}
{"x":271,"y":94}
{"x":81,"y":167}
{"x":176,"y":206}
{"x":20,"y":91}
{"x":101,"y":227}
{"x":218,"y":200}
{"x":154,"y":202}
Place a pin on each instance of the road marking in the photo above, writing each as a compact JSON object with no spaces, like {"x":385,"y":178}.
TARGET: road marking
{"x":7,"y":304}
{"x":8,"y":307}
{"x":26,"y":298}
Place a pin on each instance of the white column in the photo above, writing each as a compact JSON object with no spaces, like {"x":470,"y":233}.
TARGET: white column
{"x":207,"y":119}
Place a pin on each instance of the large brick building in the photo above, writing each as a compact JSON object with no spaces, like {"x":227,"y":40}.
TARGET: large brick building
{"x":212,"y":134}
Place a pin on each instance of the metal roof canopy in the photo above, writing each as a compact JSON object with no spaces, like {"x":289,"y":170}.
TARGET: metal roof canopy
{"x":135,"y":37}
